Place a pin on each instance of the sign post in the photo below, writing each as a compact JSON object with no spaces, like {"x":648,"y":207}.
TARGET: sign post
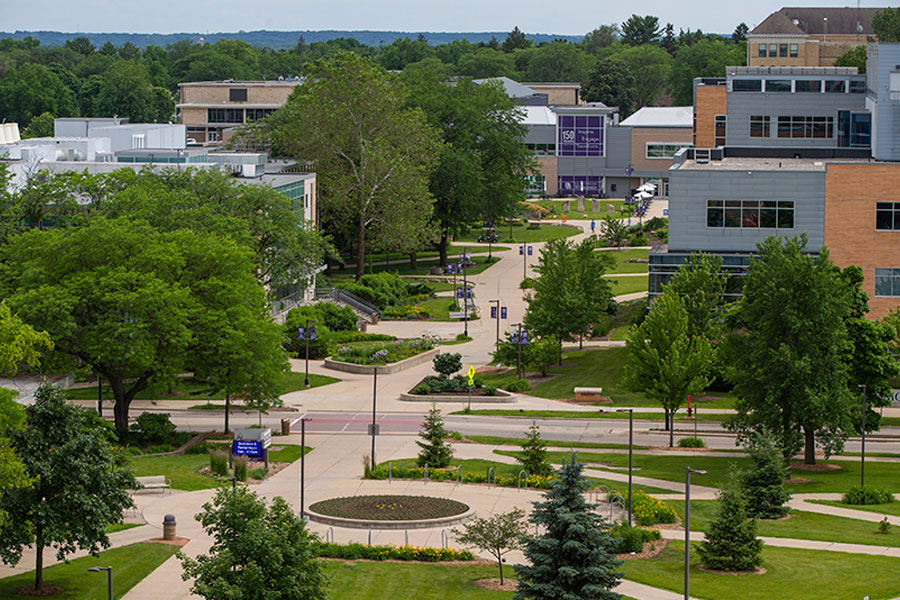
{"x":306,"y":333}
{"x":471,"y":374}
{"x":252,"y":442}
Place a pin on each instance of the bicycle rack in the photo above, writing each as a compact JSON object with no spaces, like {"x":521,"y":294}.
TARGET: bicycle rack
{"x":620,"y":504}
{"x":329,"y":535}
{"x":492,"y":477}
{"x":459,"y":471}
{"x":445,"y":539}
{"x":519,"y":479}
{"x":425,"y":474}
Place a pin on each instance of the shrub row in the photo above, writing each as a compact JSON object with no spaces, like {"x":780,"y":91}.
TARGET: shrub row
{"x":416,"y":553}
{"x":691,"y":442}
{"x":867,"y":494}
{"x":631,"y":539}
{"x":400,"y":472}
{"x":460,"y":383}
{"x":371,"y":353}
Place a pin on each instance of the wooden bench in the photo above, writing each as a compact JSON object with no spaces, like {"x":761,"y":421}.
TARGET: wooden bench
{"x":589,"y":394}
{"x":153,"y":482}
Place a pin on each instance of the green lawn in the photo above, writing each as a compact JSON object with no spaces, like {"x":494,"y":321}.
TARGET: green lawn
{"x":594,"y":368}
{"x":892,"y":509}
{"x":439,"y":309}
{"x":410,"y":581}
{"x":452,"y":249}
{"x":508,"y":441}
{"x":524,"y":234}
{"x":627,"y":285}
{"x":802,"y":525}
{"x":622,"y":257}
{"x":620,"y":334}
{"x":182,"y":471}
{"x":575,"y":214}
{"x":114,"y":527}
{"x":792,"y":573}
{"x":479,"y":465}
{"x":130,"y":565}
{"x":423,"y":267}
{"x":195,"y":390}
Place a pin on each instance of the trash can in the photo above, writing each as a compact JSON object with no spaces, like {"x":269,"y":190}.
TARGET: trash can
{"x":169,"y":527}
{"x":285,"y":427}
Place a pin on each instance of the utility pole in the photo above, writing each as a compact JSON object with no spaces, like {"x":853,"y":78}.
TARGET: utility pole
{"x":498,"y":319}
{"x":465,"y":261}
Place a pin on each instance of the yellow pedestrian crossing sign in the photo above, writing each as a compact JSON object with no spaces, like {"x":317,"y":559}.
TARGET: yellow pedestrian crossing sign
{"x":471,"y":374}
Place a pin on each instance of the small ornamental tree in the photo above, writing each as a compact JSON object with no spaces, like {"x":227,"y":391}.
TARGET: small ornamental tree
{"x":498,"y":534}
{"x":80,"y":483}
{"x":763,"y":483}
{"x":574,"y":557}
{"x":731,"y":543}
{"x":435,"y":451}
{"x":534,"y":453}
{"x":447,"y":364}
{"x":258,"y":551}
{"x":614,"y":232}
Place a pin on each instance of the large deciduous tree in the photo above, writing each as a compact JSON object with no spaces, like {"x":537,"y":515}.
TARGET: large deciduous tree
{"x":573,"y":558}
{"x":80,"y":483}
{"x":372,"y":153}
{"x":886,"y":25}
{"x":134,"y":304}
{"x":612,"y":83}
{"x":788,"y":353}
{"x":664,"y":362}
{"x":481,"y":171}
{"x":258,"y":551}
{"x":701,"y":283}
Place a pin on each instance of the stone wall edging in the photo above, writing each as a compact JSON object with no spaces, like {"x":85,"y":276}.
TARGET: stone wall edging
{"x":373,"y":524}
{"x":388,"y":369}
{"x":505,"y":398}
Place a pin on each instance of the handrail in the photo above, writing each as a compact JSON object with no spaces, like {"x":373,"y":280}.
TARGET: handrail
{"x":348,"y":298}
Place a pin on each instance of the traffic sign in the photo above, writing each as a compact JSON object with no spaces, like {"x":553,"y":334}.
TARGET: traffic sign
{"x":471,"y":374}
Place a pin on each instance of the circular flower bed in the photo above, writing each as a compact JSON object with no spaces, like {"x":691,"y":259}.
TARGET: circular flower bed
{"x":389,"y":508}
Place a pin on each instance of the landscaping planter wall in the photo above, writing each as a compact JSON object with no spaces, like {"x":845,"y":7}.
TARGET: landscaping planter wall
{"x":387,"y":369}
{"x":499,"y":398}
{"x":379,"y":524}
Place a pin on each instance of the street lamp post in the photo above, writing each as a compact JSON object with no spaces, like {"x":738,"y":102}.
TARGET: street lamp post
{"x":862,"y":465}
{"x":630,"y":412}
{"x":306,"y":335}
{"x":373,"y":427}
{"x":497,"y":302}
{"x":109,"y":584}
{"x":465,"y":262}
{"x":687,"y":528}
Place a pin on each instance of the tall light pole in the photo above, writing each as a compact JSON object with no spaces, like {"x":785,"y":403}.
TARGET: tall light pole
{"x":306,"y":335}
{"x":374,"y":427}
{"x":109,"y":584}
{"x":687,"y":528}
{"x":630,"y":412}
{"x":497,"y":315}
{"x":303,"y":421}
{"x":862,"y":465}
{"x":465,"y":262}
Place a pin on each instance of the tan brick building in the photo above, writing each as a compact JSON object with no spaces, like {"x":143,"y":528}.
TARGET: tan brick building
{"x":808,"y":36}
{"x":209,"y":108}
{"x":710,"y":112}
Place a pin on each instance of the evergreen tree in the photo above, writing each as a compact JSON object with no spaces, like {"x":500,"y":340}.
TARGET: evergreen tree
{"x":731,"y":543}
{"x":763,"y":483}
{"x":534,"y":453}
{"x":574,"y":558}
{"x":436,"y":452}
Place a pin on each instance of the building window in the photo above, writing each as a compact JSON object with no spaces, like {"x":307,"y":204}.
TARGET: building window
{"x":254,"y":114}
{"x":834,"y":86}
{"x":887,"y":282}
{"x":793,"y":50}
{"x":858,"y":86}
{"x":806,"y":85}
{"x":750,"y":214}
{"x":535,"y":186}
{"x":237,"y":95}
{"x":746,"y":85}
{"x":225,"y":115}
{"x":580,"y":135}
{"x":887,"y":216}
{"x":762,"y":50}
{"x":760,"y":126}
{"x":805,"y":127}
{"x":782,"y":50}
{"x":663,"y":150}
{"x":588,"y":185}
{"x":721,"y":129}
{"x":778,"y":85}
{"x":773,"y":50}
{"x":542,"y":149}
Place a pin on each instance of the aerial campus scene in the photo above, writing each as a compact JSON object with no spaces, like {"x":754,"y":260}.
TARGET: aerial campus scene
{"x":404,"y":300}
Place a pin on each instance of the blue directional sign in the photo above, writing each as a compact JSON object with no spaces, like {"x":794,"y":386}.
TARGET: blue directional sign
{"x":524,"y":336}
{"x":302,"y":331}
{"x":247,"y":447}
{"x":493,"y":312}
{"x":459,"y":293}
{"x":530,"y":248}
{"x":502,"y":312}
{"x":521,"y":250}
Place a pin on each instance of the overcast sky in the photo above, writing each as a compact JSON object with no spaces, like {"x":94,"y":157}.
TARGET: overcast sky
{"x":571,"y":17}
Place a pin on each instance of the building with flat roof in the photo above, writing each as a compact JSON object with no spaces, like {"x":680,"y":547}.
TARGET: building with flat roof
{"x":208,"y":109}
{"x":808,"y":36}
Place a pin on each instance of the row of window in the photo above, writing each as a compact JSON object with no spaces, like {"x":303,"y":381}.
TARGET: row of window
{"x":777,"y":50}
{"x":236,"y":115}
{"x":817,"y":86}
{"x":750,"y":214}
{"x":663,"y":150}
{"x":542,"y":149}
{"x":792,"y":127}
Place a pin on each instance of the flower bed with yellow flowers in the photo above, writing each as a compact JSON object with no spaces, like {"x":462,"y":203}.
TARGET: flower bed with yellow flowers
{"x":389,"y":508}
{"x":401,"y":472}
{"x":650,"y":511}
{"x":412,"y":553}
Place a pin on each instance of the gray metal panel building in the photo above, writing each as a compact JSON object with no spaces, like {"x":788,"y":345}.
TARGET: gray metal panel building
{"x":883,"y":76}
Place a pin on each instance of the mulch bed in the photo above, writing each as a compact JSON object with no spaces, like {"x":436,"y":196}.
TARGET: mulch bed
{"x":650,"y":550}
{"x":274,"y":467}
{"x":799,"y":466}
{"x":47,"y":590}
{"x":757,"y":571}
{"x":389,"y":507}
{"x":493,"y":583}
{"x":178,"y":541}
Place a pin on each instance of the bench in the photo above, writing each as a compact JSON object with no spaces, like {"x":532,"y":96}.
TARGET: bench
{"x":153,"y":482}
{"x":589,"y":394}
